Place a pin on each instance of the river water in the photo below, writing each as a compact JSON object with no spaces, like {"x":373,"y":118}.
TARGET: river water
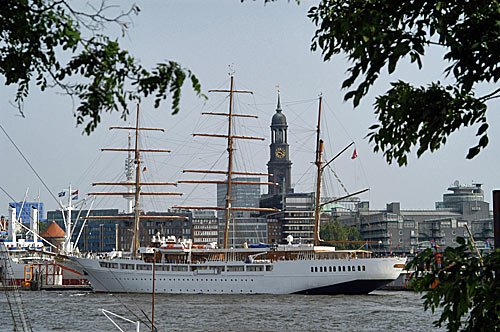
{"x":79,"y":311}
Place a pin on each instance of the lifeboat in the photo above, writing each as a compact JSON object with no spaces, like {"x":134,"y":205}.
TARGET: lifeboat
{"x":172,"y":246}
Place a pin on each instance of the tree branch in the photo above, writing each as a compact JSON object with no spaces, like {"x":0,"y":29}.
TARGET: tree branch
{"x":490,"y":96}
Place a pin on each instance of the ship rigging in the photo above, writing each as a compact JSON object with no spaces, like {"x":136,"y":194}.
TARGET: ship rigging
{"x":229,"y":182}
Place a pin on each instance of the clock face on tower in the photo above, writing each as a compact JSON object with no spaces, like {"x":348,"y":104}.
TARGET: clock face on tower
{"x":280,"y":153}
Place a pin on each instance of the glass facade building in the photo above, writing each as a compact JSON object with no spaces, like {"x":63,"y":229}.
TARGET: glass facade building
{"x":24,"y":210}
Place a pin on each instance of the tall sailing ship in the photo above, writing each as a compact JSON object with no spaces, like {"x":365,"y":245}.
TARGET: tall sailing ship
{"x":179,"y":266}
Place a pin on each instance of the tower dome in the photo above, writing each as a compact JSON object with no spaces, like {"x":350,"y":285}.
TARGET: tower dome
{"x":279,"y":119}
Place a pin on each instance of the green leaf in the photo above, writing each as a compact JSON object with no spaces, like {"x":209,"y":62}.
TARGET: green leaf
{"x":482,"y":129}
{"x":373,"y":35}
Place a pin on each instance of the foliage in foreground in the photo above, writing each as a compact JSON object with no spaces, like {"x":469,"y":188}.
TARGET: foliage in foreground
{"x":461,"y":284}
{"x":54,"y":44}
{"x":380,"y":34}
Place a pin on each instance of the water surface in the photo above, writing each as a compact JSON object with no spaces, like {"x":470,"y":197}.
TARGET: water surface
{"x":73,"y":311}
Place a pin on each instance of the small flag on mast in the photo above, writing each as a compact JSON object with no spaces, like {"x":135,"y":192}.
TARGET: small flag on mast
{"x":74,"y":195}
{"x":354,"y":154}
{"x":61,"y":194}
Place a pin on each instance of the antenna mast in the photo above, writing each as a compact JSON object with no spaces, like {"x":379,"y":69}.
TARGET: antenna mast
{"x":129,"y":171}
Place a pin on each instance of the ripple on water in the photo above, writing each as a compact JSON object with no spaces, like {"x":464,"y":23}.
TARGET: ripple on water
{"x":77,"y":311}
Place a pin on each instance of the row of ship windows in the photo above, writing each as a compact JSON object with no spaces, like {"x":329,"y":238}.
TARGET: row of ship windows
{"x":337,"y":268}
{"x":185,"y":268}
{"x":188,"y":279}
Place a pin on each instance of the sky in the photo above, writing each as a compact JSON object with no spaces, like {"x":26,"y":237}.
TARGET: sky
{"x":266,"y":46}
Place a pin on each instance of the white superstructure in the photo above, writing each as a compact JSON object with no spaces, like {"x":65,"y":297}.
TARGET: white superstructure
{"x":283,"y":270}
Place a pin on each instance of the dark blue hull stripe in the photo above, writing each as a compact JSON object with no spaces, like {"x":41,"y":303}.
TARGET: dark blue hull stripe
{"x":355,"y":287}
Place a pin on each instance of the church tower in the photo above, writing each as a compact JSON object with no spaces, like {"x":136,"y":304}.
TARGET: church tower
{"x":279,"y":165}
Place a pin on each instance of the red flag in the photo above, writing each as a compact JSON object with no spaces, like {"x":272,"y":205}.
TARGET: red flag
{"x":354,"y":154}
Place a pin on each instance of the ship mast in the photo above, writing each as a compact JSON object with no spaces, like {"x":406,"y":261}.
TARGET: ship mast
{"x":228,"y":208}
{"x":319,"y":170}
{"x":229,"y":164}
{"x":320,"y":166}
{"x":137,"y":184}
{"x":135,"y":240}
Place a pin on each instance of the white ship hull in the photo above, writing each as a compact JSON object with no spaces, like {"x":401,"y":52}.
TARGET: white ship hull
{"x":50,"y":272}
{"x":324,"y":276}
{"x":24,"y":266}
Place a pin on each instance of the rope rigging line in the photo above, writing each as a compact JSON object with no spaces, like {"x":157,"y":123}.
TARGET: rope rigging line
{"x":6,"y":193}
{"x":307,"y":172}
{"x":188,"y":196}
{"x":338,"y":120}
{"x":288,"y":103}
{"x":32,"y":168}
{"x":338,"y":180}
